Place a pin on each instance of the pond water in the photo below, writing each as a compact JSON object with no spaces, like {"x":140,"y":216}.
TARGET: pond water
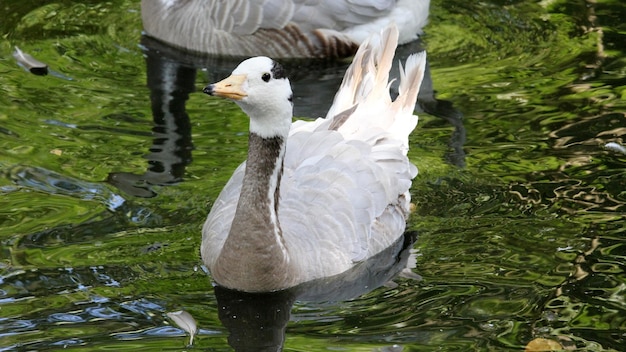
{"x":520,"y":204}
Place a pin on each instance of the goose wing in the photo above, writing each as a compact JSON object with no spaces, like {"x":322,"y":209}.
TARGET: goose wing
{"x":337,"y":197}
{"x":334,"y":193}
{"x":338,"y":14}
{"x":349,"y":172}
{"x":248,"y":16}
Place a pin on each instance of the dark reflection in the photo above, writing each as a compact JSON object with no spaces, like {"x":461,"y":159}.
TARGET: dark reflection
{"x":315,"y":82}
{"x":170,"y":83}
{"x":255,"y":322}
{"x":258,"y":322}
{"x":428,"y":102}
{"x":171,"y":77}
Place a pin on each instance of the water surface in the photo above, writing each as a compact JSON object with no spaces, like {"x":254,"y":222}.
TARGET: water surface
{"x":520,"y":207}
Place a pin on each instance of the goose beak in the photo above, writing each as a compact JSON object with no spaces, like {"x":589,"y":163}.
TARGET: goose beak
{"x":230,"y":87}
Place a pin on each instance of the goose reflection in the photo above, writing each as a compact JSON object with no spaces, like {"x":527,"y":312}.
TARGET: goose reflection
{"x":170,"y":83}
{"x":258,"y":321}
{"x":171,"y":78}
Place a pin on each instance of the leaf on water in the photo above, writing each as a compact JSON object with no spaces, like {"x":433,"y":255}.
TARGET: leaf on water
{"x":541,"y":344}
{"x":30,"y":63}
{"x":185,"y":321}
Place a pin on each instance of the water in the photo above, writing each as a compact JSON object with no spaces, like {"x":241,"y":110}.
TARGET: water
{"x":520,"y":207}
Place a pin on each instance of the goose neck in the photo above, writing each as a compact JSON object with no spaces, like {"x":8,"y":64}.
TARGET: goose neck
{"x":261,"y":184}
{"x":254,"y":256}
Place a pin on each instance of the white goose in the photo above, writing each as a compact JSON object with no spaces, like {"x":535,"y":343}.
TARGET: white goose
{"x":314,"y":198}
{"x":279,"y":28}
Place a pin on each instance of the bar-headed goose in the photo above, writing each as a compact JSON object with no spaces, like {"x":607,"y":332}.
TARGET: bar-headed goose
{"x":314,"y":198}
{"x":279,"y":28}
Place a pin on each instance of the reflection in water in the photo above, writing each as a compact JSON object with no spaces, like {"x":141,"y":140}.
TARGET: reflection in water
{"x":563,"y":308}
{"x":170,"y":84}
{"x":576,"y":186}
{"x":171,"y":77}
{"x":255,"y":322}
{"x":120,"y":214}
{"x":525,"y":242}
{"x":50,"y":182}
{"x":444,"y":109}
{"x":258,"y":321}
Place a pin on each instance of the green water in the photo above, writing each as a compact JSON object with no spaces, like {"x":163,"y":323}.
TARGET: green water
{"x":520,"y":207}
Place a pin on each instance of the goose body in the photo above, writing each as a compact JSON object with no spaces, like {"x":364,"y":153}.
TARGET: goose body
{"x":279,"y":28}
{"x":314,"y":198}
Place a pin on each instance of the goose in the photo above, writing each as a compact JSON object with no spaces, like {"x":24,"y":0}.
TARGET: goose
{"x":314,"y":198}
{"x":279,"y":28}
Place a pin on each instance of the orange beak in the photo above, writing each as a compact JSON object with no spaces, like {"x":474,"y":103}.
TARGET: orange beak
{"x":230,"y":88}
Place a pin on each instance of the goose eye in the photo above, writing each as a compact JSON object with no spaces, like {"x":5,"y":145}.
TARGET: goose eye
{"x":266,"y":77}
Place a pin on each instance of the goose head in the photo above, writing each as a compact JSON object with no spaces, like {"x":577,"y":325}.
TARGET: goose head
{"x":261,"y":89}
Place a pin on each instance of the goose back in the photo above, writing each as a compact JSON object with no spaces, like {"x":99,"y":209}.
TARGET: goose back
{"x":278,"y":28}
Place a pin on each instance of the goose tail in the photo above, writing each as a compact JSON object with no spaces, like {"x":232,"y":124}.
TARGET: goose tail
{"x":410,"y":82}
{"x":363,"y":105}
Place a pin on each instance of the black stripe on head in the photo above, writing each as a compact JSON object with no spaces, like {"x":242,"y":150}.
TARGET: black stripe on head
{"x":278,"y":71}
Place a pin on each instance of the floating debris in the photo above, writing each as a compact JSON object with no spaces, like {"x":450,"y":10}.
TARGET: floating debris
{"x":185,"y":321}
{"x":30,"y":63}
{"x":615,"y":147}
{"x":541,"y":344}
